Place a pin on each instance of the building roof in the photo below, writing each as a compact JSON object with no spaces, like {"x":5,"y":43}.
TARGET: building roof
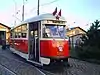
{"x":77,"y":27}
{"x":5,"y":26}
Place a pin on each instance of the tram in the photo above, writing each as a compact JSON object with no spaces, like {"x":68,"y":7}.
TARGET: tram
{"x":41,"y":40}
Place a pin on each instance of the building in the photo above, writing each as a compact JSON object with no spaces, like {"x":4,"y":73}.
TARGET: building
{"x":4,"y":33}
{"x":75,"y":35}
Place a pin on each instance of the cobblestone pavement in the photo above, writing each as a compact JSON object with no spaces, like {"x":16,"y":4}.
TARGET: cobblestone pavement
{"x":4,"y":71}
{"x":19,"y":68}
{"x":82,"y":68}
{"x":77,"y":67}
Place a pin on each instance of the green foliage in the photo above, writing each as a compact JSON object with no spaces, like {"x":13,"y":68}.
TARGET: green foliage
{"x":90,"y":47}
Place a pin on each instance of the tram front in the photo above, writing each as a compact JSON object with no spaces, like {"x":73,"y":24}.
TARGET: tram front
{"x":54,"y":44}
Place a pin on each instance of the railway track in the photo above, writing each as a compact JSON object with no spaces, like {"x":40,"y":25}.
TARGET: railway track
{"x":16,"y":62}
{"x":7,"y":70}
{"x":58,"y":69}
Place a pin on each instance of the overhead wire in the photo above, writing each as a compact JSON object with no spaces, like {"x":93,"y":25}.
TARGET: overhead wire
{"x":43,"y":5}
{"x":49,"y":2}
{"x":19,"y":9}
{"x":35,"y":8}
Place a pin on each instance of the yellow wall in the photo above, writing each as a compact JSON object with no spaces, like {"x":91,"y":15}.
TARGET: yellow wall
{"x":74,"y":32}
{"x":3,"y":28}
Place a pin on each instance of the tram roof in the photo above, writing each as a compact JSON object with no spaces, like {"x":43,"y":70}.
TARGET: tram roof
{"x":43,"y":17}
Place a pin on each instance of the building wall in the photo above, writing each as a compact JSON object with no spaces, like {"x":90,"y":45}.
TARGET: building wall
{"x":75,"y":40}
{"x":75,"y":36}
{"x":75,"y":32}
{"x":7,"y":30}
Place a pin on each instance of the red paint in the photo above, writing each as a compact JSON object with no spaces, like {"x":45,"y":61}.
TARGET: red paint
{"x":20,"y":45}
{"x":48,"y":48}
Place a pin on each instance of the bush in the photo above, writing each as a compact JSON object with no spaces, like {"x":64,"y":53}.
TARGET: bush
{"x":87,"y":52}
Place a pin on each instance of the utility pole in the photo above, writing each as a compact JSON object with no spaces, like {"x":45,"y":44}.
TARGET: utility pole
{"x":15,"y":11}
{"x":23,"y":11}
{"x":38,"y":7}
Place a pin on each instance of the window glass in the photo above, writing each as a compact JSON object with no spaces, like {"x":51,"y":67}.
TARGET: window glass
{"x":52,"y":31}
{"x":23,"y":35}
{"x":36,"y":33}
{"x":19,"y":29}
{"x":19,"y":35}
{"x":32,"y":34}
{"x":24,"y":27}
{"x":16,"y":35}
{"x":15,"y":30}
{"x":24,"y":31}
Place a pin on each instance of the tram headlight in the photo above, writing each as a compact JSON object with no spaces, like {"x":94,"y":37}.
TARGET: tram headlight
{"x":60,"y":48}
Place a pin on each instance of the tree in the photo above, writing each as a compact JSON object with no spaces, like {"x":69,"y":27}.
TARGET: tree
{"x":90,"y":47}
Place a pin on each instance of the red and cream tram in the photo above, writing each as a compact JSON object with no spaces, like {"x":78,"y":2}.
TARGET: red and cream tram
{"x":41,"y":40}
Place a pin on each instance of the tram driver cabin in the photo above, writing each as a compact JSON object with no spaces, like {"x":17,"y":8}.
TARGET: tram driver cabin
{"x":41,"y":39}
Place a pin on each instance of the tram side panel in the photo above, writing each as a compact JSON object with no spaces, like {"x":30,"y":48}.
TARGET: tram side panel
{"x":20,"y":45}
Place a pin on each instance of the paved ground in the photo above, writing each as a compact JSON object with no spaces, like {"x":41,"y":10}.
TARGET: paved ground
{"x":77,"y":67}
{"x":9,"y":66}
{"x":83,"y":68}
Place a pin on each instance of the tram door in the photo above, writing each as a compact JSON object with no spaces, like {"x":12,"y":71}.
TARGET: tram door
{"x":33,"y":42}
{"x":2,"y":37}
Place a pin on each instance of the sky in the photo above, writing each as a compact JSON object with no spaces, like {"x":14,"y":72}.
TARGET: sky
{"x":76,"y":12}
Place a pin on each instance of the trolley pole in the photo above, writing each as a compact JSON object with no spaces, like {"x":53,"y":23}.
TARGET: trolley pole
{"x":38,"y":7}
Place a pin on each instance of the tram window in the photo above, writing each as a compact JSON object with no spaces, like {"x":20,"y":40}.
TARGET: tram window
{"x":11,"y":35}
{"x":19,"y":29}
{"x":15,"y":35}
{"x":24,"y":27}
{"x":35,"y":33}
{"x":32,"y":34}
{"x":50,"y":31}
{"x":15,"y":30}
{"x":19,"y":35}
{"x":23,"y":35}
{"x":45,"y":32}
{"x":45,"y":35}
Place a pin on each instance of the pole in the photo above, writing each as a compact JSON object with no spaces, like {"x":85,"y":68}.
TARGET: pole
{"x":38,"y":7}
{"x":23,"y":11}
{"x":15,"y":11}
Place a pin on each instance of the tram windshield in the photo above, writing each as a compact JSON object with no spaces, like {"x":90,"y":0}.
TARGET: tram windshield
{"x":52,"y":31}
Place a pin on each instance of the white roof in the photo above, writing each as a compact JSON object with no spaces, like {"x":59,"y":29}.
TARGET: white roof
{"x":43,"y":17}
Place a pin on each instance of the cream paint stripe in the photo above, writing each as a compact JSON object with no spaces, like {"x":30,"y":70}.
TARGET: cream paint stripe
{"x":52,"y":39}
{"x":19,"y":38}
